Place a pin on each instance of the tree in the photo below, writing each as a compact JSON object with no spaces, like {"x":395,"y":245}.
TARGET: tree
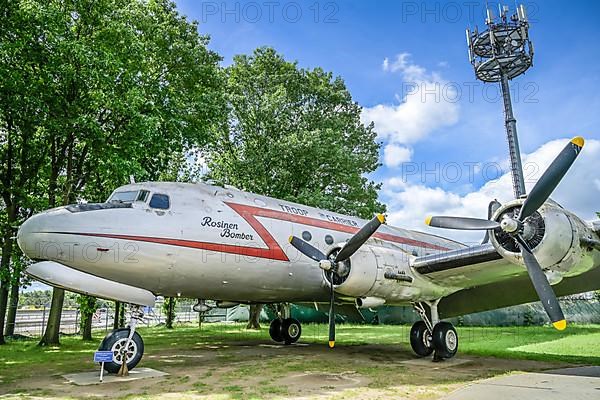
{"x":87,"y":307}
{"x":22,"y":146}
{"x":295,"y":134}
{"x":95,"y":91}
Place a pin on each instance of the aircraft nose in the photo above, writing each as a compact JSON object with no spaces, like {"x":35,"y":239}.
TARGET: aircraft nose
{"x":26,"y":235}
{"x":38,"y":229}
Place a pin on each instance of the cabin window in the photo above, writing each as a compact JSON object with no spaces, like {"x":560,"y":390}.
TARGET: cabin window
{"x":124,"y":197}
{"x":306,"y":236}
{"x":329,"y":239}
{"x":160,"y":201}
{"x":143,"y":196}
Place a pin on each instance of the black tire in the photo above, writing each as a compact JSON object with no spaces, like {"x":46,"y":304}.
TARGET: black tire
{"x":291,"y":330}
{"x":445,"y":340}
{"x":275,"y":330}
{"x":114,"y":341}
{"x":420,"y":339}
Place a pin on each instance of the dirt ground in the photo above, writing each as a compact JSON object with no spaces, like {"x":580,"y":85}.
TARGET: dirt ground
{"x":260,"y":369}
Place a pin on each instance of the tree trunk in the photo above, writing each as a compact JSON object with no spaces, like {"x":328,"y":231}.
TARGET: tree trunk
{"x":254,"y":319}
{"x":117,"y":316}
{"x":3,"y":303}
{"x":5,"y":275}
{"x":12,"y":305}
{"x":51,"y":336}
{"x":170,"y":312}
{"x":122,"y":316}
{"x":86,"y":331}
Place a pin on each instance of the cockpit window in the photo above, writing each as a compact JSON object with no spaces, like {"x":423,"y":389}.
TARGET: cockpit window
{"x":160,"y":201}
{"x":143,"y":196}
{"x":124,"y":197}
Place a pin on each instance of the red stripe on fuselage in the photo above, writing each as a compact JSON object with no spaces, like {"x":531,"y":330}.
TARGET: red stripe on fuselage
{"x":273,"y":250}
{"x":250,"y":212}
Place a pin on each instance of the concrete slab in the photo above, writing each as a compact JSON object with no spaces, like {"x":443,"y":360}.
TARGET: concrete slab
{"x":427,"y":362}
{"x":580,"y":383}
{"x":93,"y":378}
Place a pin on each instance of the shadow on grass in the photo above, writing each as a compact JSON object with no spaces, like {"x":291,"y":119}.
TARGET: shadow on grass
{"x":227,"y":359}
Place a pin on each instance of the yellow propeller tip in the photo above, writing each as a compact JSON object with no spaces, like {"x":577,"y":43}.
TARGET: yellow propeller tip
{"x":381,"y":218}
{"x":331,"y":344}
{"x":290,"y":239}
{"x":578,"y":140}
{"x":560,"y":325}
{"x":428,"y":220}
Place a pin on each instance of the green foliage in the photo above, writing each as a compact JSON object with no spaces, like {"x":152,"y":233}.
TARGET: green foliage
{"x":94,"y":91}
{"x":528,"y":317}
{"x":295,"y":134}
{"x":42,"y":298}
{"x":87,"y":307}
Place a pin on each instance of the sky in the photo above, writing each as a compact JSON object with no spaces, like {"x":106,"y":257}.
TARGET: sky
{"x":443,"y":148}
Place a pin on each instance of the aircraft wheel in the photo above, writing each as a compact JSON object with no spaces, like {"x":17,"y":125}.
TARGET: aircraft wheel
{"x":115,"y":341}
{"x":445,"y":340}
{"x":420,"y":339}
{"x":275,"y":330}
{"x":291,"y":330}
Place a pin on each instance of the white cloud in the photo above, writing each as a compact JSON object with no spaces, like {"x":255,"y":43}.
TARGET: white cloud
{"x":394,"y":155}
{"x":410,"y":71}
{"x":409,"y":204}
{"x":425,"y":105}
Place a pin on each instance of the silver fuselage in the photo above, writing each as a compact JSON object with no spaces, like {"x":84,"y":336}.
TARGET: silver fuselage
{"x":222,"y":244}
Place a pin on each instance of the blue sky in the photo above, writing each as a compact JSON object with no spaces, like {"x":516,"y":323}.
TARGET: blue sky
{"x":558,"y":98}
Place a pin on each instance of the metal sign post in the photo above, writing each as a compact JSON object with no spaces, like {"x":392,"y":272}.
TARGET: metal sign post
{"x":102,"y":357}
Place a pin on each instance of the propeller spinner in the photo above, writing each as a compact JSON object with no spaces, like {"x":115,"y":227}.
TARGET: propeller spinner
{"x":332,"y":264}
{"x":515,"y":226}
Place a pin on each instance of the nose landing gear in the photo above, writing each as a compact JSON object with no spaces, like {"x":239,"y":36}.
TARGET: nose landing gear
{"x":126,"y":345}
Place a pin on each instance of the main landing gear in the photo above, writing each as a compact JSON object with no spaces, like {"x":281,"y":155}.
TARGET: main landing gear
{"x":285,"y":329}
{"x":126,"y":344}
{"x":432,"y":335}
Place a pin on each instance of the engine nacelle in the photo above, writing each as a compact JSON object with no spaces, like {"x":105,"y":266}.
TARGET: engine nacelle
{"x":551,"y":232}
{"x":356,"y":275}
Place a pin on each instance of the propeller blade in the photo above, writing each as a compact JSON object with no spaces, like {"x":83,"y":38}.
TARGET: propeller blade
{"x":542,"y":286}
{"x":307,"y":249}
{"x":551,"y":177}
{"x":462,"y":223}
{"x":359,"y":238}
{"x":331,"y":313}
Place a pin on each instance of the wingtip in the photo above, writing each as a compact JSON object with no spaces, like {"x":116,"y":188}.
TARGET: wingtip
{"x":290,"y":239}
{"x":560,"y":325}
{"x":381,"y":218}
{"x":578,"y":141}
{"x":331,"y":344}
{"x":428,"y":220}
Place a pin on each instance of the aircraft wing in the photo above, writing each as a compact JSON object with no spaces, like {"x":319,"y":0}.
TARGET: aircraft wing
{"x":488,"y":282}
{"x":467,"y":267}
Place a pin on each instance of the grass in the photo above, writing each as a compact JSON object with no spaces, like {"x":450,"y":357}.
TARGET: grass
{"x":370,"y":352}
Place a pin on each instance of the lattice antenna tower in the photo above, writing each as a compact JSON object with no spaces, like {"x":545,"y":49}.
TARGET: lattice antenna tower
{"x":500,"y":53}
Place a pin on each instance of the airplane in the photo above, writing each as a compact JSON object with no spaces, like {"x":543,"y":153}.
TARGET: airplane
{"x":220,"y":244}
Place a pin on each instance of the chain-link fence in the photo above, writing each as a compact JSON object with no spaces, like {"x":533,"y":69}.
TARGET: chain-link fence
{"x":32,"y":322}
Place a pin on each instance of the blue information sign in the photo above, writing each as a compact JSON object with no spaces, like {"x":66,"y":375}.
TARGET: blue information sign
{"x":103,"y":356}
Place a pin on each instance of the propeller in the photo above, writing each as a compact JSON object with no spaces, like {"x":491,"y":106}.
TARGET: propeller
{"x":332,"y":263}
{"x":515,"y":226}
